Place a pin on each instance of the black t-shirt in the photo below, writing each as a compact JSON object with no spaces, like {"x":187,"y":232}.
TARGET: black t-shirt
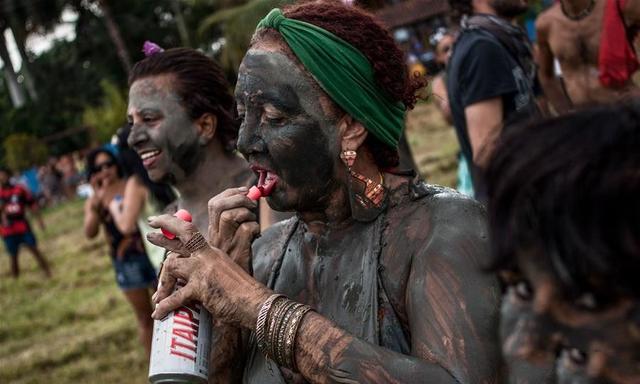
{"x":481,"y":68}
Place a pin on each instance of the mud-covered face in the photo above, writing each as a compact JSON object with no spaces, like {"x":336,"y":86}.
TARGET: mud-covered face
{"x":288,"y":134}
{"x":550,"y":337}
{"x":162,"y":133}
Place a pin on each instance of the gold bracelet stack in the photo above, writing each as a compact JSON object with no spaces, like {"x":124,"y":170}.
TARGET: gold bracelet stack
{"x":276,"y":329}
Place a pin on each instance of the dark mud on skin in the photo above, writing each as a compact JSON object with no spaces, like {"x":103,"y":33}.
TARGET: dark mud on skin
{"x":285,"y":129}
{"x":164,"y":124}
{"x":400,"y":299}
{"x":549,"y":338}
{"x":421,"y":301}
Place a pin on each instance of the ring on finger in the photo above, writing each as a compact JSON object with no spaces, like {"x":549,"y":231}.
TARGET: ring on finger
{"x":196,"y":243}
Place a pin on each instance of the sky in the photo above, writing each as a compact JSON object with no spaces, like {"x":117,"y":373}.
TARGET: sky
{"x":37,"y":44}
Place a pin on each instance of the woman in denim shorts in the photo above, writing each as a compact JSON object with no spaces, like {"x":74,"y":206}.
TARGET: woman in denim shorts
{"x":134,"y":272}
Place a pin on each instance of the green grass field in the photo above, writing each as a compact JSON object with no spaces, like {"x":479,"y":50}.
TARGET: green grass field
{"x":78,"y":328}
{"x":74,"y":328}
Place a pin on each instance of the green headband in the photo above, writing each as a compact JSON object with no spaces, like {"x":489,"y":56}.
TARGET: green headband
{"x":344,"y":73}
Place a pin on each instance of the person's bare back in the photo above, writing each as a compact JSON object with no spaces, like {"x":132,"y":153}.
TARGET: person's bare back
{"x":575,"y":44}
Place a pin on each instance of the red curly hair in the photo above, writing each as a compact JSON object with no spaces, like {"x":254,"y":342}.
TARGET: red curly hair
{"x":362,"y":30}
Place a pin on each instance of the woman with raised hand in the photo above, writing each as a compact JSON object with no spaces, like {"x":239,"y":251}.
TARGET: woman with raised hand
{"x":378,"y":278}
{"x":134,"y":273}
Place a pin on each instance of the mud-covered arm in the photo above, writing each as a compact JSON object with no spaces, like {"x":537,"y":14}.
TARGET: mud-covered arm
{"x":452,"y":316}
{"x":230,"y":343}
{"x":232,"y":228}
{"x":452,"y":308}
{"x":553,"y":90}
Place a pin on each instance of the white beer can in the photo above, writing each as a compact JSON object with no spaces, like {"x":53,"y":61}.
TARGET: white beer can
{"x":180,"y":346}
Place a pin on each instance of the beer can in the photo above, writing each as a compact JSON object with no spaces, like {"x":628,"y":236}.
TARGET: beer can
{"x":180,"y":346}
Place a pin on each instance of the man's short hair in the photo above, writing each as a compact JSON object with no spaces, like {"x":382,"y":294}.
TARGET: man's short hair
{"x":460,"y":8}
{"x":566,"y":192}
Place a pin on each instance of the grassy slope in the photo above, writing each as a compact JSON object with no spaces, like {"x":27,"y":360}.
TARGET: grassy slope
{"x":434,"y":145}
{"x":74,"y":328}
{"x":78,"y":328}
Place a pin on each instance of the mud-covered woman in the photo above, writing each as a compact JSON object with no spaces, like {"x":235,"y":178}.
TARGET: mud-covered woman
{"x":378,"y":278}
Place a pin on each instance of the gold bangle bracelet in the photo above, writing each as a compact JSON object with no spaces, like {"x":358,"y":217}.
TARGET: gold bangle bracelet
{"x":291,"y":334}
{"x":261,"y":322}
{"x":274,"y":322}
{"x":282,"y":332}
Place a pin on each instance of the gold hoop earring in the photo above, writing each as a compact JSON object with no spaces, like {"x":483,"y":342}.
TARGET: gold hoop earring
{"x":366,"y":196}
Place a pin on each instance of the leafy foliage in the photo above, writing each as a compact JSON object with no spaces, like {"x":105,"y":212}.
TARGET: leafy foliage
{"x":69,"y":77}
{"x":23,"y":150}
{"x":238,"y":24}
{"x":107,"y":117}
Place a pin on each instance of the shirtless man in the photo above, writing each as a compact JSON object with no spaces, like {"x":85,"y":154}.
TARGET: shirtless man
{"x":570,"y":32}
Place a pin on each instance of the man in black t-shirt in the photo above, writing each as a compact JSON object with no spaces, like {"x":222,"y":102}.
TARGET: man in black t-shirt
{"x":491,"y":78}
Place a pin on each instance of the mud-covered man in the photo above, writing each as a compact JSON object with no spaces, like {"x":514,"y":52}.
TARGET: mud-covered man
{"x":565,"y":227}
{"x":592,"y":41}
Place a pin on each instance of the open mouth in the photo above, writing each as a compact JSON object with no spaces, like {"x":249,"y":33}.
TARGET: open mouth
{"x":149,"y":157}
{"x":267,"y":180}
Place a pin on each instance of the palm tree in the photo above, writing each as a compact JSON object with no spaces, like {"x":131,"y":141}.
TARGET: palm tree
{"x":19,"y":31}
{"x":15,"y":90}
{"x":27,"y":16}
{"x":102,"y":10}
{"x":238,"y":24}
{"x":180,"y":23}
{"x":116,"y":36}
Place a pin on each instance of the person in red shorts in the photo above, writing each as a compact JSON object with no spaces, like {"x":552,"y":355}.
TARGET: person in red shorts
{"x":14,"y":227}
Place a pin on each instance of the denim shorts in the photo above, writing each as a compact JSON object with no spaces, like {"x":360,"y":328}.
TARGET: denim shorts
{"x":134,"y":271}
{"x":12,"y":242}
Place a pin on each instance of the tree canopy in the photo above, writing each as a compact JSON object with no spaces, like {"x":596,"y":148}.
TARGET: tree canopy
{"x":80,"y":85}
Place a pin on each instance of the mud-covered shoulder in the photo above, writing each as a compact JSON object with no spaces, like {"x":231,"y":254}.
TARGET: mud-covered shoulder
{"x":268,"y":248}
{"x":449,"y":205}
{"x":457,"y":225}
{"x":448,"y":284}
{"x":429,"y":221}
{"x":440,"y":217}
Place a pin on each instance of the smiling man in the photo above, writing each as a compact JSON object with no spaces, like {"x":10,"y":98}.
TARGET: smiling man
{"x":565,"y":225}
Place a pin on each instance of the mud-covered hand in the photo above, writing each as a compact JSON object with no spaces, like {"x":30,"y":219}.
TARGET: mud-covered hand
{"x":211,"y":276}
{"x":233,"y":225}
{"x":185,"y":231}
